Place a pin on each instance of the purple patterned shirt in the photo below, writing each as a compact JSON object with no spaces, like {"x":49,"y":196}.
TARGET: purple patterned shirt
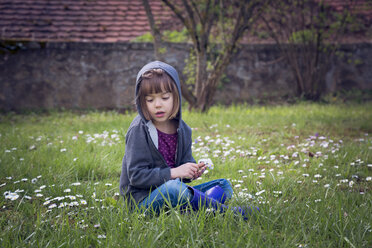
{"x":167,"y":147}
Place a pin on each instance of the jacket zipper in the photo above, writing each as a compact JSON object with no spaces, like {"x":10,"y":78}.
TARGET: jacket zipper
{"x":178,"y":144}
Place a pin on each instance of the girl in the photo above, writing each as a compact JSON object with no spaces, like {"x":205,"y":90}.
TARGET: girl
{"x":158,"y":160}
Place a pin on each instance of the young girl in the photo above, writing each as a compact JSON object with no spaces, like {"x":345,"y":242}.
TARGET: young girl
{"x":158,"y":160}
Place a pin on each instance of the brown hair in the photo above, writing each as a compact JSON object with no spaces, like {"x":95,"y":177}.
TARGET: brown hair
{"x":153,"y":82}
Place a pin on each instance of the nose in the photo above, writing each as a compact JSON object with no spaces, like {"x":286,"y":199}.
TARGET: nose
{"x":157,"y":102}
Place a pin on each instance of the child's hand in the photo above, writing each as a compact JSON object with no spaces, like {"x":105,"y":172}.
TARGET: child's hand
{"x":188,"y":170}
{"x":207,"y":161}
{"x":202,"y":167}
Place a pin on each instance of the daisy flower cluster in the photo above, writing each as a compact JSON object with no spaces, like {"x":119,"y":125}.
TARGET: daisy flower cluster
{"x":219,"y":146}
{"x":304,"y":160}
{"x":58,"y":200}
{"x":47,"y":195}
{"x":105,"y":138}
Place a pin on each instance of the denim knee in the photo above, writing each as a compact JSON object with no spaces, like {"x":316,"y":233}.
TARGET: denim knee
{"x":176,"y":192}
{"x":171,"y":193}
{"x":226,"y":185}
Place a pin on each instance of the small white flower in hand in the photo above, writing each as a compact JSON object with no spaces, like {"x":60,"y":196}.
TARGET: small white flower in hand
{"x":207,"y":161}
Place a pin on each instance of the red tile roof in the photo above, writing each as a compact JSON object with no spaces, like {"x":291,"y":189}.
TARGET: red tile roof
{"x":78,"y":20}
{"x":103,"y":20}
{"x":359,"y":7}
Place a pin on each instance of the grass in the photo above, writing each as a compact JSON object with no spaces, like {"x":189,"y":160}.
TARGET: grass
{"x":307,"y":166}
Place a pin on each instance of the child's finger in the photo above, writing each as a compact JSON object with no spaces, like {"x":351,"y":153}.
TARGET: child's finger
{"x":201,"y":164}
{"x":194,"y":169}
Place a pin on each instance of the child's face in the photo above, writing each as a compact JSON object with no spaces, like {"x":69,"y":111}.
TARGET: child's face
{"x":160,"y":106}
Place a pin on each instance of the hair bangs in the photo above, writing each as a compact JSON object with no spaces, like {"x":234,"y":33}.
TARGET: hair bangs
{"x":155,"y":85}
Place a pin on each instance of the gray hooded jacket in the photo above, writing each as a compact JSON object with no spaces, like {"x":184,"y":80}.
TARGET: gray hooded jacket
{"x":144,"y":168}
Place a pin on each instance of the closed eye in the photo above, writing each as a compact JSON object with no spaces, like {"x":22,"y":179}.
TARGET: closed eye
{"x":166,"y":96}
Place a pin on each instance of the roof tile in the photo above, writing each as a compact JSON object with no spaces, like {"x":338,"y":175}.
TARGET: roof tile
{"x":78,"y":20}
{"x":101,"y":20}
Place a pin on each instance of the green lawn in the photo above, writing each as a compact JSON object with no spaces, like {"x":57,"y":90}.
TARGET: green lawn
{"x":307,"y":166}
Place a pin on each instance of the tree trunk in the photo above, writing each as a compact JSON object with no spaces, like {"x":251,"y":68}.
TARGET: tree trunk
{"x":201,"y":73}
{"x":158,"y":41}
{"x":159,"y":46}
{"x":186,"y":92}
{"x":205,"y":100}
{"x":199,"y":18}
{"x":206,"y":97}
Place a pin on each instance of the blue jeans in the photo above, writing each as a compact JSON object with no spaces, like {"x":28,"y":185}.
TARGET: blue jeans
{"x":176,"y":193}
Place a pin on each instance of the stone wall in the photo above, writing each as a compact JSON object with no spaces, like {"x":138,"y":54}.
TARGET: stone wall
{"x":96,"y":75}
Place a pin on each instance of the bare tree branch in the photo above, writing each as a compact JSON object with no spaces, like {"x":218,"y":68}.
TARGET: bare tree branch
{"x":154,"y":30}
{"x":199,"y":17}
{"x":191,"y":20}
{"x":195,"y":7}
{"x":177,"y":11}
{"x":186,"y":22}
{"x":209,"y":21}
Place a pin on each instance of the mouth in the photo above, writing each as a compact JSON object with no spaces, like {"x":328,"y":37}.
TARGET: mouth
{"x":159,"y":114}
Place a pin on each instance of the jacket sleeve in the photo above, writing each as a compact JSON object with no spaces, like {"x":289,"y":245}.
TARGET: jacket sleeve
{"x":140,"y":167}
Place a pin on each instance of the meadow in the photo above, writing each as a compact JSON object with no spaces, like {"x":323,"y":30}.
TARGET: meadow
{"x":308,"y":167}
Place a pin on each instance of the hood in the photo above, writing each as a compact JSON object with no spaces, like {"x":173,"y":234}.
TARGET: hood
{"x":169,"y":70}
